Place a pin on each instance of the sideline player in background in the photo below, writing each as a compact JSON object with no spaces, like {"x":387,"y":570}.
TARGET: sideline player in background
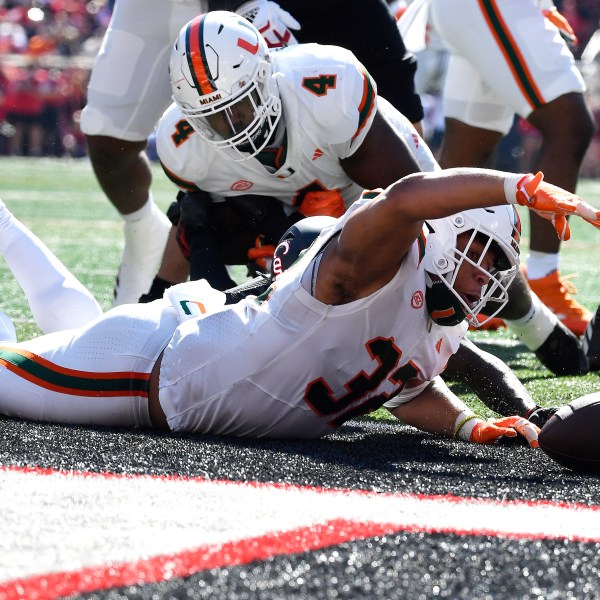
{"x":129,"y":90}
{"x":389,"y":288}
{"x":507,"y":58}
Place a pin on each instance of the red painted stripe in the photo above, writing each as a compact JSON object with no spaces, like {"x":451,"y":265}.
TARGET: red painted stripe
{"x":291,"y":486}
{"x":182,"y":564}
{"x":163,"y":568}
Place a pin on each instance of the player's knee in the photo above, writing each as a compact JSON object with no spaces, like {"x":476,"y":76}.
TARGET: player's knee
{"x":108,"y":152}
{"x":174,"y":210}
{"x":192,"y":218}
{"x":195,"y":211}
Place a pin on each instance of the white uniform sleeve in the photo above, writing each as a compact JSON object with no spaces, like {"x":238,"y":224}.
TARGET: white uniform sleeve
{"x":337,"y":92}
{"x":179,"y":150}
{"x":405,"y":395}
{"x":358,"y":108}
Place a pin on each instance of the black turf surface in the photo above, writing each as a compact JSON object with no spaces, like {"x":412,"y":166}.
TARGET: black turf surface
{"x":366,"y":456}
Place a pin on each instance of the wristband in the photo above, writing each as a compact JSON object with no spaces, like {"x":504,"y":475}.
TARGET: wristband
{"x":512,"y":183}
{"x":463,"y":418}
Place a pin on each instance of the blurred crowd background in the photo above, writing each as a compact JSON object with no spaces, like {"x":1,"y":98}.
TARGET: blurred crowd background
{"x":47,"y":49}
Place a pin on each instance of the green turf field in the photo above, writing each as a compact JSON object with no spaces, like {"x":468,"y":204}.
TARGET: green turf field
{"x":62,"y":203}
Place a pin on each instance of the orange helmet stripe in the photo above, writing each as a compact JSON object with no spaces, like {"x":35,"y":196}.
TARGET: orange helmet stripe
{"x":196,"y":56}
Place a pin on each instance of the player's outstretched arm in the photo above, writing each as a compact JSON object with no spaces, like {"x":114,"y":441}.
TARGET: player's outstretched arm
{"x":379,"y":233}
{"x":437,"y":410}
{"x":490,"y":378}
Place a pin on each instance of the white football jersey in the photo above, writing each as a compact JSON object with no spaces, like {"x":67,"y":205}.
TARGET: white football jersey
{"x":329,"y":102}
{"x":287,"y":365}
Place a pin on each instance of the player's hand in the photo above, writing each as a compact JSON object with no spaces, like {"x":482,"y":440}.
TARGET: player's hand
{"x":492,"y":430}
{"x":274,"y":23}
{"x":559,"y":21}
{"x":563,"y":26}
{"x":551,"y":202}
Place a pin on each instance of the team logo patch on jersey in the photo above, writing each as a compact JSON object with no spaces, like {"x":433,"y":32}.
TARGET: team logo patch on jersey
{"x":438,"y":346}
{"x":417,"y":300}
{"x":241,"y":185}
{"x":318,"y":153}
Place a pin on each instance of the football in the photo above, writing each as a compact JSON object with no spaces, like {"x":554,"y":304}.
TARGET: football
{"x":571,"y":436}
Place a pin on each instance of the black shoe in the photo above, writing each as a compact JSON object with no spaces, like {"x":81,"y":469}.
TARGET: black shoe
{"x":591,"y":342}
{"x":562,"y":352}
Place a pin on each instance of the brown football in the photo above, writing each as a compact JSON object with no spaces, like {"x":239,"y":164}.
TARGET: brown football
{"x":571,"y":436}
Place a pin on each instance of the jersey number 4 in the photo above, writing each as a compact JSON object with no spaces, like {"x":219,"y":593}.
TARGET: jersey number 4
{"x":357,"y":401}
{"x":320,"y":85}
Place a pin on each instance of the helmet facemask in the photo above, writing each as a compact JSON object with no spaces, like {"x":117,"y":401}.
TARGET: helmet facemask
{"x":497,"y":230}
{"x":222,"y":80}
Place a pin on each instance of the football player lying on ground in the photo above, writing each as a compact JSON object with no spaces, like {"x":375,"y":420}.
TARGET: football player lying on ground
{"x":369,"y":316}
{"x":492,"y":381}
{"x":218,"y":143}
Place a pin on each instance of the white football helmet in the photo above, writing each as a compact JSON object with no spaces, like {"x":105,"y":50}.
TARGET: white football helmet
{"x":222,"y":80}
{"x":499,"y":229}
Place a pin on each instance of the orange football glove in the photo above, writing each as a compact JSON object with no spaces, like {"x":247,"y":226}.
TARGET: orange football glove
{"x":549,"y":201}
{"x":489,"y":432}
{"x":319,"y":203}
{"x":472,"y":428}
{"x":262,"y":254}
{"x":559,"y":21}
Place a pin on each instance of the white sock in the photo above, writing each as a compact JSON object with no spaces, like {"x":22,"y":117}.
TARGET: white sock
{"x":540,"y":264}
{"x":534,"y":328}
{"x":58,"y":300}
{"x":145,"y":232}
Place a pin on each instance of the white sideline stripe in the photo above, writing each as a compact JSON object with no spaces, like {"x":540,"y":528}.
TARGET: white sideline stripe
{"x":57,"y":521}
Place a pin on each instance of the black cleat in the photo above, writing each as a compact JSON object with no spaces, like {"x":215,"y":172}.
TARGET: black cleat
{"x":591,"y":342}
{"x":562,"y":352}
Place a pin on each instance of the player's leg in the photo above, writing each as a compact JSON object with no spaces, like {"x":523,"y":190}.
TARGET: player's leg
{"x":466,"y":101}
{"x":57,"y":298}
{"x":356,"y":26}
{"x":98,"y":374}
{"x":519,"y":62}
{"x":174,"y":268}
{"x":464,"y":144}
{"x":129,"y":89}
{"x":566,"y":126}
